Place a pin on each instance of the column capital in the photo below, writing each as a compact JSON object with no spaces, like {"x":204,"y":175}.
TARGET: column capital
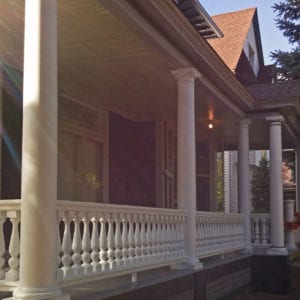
{"x":275,"y":118}
{"x":188,"y":74}
{"x":245,"y":122}
{"x":297,"y":149}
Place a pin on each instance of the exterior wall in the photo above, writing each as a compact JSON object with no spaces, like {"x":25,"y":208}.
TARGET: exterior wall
{"x":131,"y":162}
{"x":250,"y":40}
{"x":11,"y":132}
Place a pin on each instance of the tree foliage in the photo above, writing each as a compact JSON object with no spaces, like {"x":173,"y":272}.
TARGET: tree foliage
{"x":287,"y":20}
{"x":260,"y":187}
{"x":220,"y":182}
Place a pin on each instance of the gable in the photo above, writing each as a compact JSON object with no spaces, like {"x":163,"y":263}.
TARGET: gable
{"x":239,"y":31}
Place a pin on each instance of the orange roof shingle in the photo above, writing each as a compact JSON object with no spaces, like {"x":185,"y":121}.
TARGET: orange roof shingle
{"x":235,"y":27}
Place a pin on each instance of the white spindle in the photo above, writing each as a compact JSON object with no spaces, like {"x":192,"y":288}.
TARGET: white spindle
{"x":165,"y":237}
{"x":59,"y":272}
{"x":263,"y":231}
{"x":66,"y":248}
{"x":181,"y":230}
{"x":118,"y":242}
{"x":153,"y":238}
{"x":131,"y":241}
{"x":86,"y":246}
{"x":143,"y":238}
{"x":148,"y":239}
{"x":14,"y":247}
{"x":2,"y":244}
{"x":137,"y":239}
{"x":111,"y":243}
{"x":257,"y":231}
{"x":103,"y":244}
{"x":159,"y":238}
{"x":76,"y":247}
{"x":124,"y":240}
{"x":95,"y":246}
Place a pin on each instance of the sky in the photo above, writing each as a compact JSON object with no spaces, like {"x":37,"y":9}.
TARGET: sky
{"x":271,"y":37}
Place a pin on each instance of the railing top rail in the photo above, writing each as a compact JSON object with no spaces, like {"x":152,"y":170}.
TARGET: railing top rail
{"x":218,"y":214}
{"x":101,"y":207}
{"x":218,"y":217}
{"x":257,"y":215}
{"x":10,"y":204}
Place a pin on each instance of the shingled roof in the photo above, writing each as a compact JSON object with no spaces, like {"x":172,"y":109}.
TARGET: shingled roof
{"x":276,"y":91}
{"x":235,"y":27}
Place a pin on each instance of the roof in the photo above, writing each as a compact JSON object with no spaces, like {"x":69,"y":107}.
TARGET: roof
{"x":266,"y":74}
{"x":199,"y":18}
{"x":276,"y":91}
{"x":235,"y":27}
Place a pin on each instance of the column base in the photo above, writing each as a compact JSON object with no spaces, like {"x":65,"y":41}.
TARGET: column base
{"x":193,"y":264}
{"x":61,"y":297}
{"x":48,"y":293}
{"x":292,"y":247}
{"x":277,"y":251}
{"x":247,"y":250}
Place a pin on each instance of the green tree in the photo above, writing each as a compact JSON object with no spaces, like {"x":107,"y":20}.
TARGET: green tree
{"x":260,"y":187}
{"x":220,"y":182}
{"x":287,"y":20}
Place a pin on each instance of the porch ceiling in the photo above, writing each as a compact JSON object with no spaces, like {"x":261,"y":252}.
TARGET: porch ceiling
{"x":103,"y":62}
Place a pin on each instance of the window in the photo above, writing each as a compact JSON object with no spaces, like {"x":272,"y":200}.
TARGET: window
{"x":80,"y":169}
{"x":251,"y":55}
{"x":80,"y":153}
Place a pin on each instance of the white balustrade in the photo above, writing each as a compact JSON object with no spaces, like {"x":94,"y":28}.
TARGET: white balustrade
{"x":260,"y":229}
{"x":98,"y":239}
{"x":9,"y":242}
{"x":101,"y":239}
{"x":218,"y":233}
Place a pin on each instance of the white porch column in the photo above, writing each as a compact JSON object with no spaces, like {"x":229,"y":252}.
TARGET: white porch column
{"x":38,"y":263}
{"x":289,"y":217}
{"x":244,"y":179}
{"x":186,"y":158}
{"x":297,"y":167}
{"x":276,"y":188}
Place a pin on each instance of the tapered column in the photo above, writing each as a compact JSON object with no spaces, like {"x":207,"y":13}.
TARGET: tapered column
{"x":289,"y":217}
{"x":297,"y":155}
{"x":186,"y":158}
{"x":244,"y":179}
{"x":276,"y":188}
{"x":39,"y":155}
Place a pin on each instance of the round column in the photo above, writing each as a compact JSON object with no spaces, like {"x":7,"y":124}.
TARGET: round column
{"x":289,"y":217}
{"x":38,"y":258}
{"x":297,"y":155}
{"x":186,"y":158}
{"x":244,"y":179}
{"x":276,"y":188}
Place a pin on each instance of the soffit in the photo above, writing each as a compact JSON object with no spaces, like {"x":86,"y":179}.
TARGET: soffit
{"x":104,"y":63}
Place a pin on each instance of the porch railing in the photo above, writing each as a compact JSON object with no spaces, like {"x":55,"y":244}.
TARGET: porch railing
{"x":98,"y":240}
{"x":218,"y":233}
{"x":260,"y":229}
{"x":103,"y":240}
{"x":9,"y":243}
